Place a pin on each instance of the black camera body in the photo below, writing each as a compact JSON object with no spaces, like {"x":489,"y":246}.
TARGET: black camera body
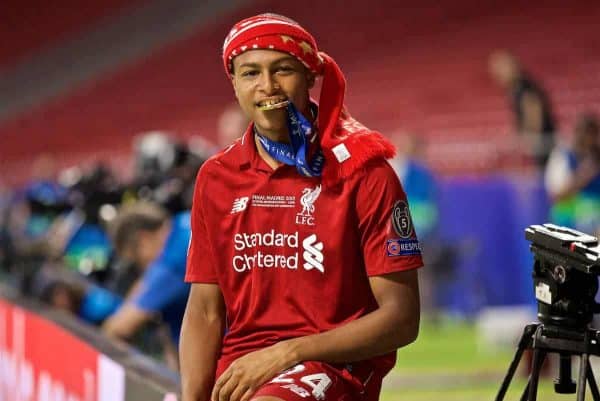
{"x":565,"y":277}
{"x":567,"y":263}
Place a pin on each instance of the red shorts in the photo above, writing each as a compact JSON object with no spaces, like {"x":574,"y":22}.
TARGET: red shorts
{"x":312,"y":381}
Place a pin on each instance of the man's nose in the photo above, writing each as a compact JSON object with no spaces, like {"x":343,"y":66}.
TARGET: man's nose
{"x":269,"y":84}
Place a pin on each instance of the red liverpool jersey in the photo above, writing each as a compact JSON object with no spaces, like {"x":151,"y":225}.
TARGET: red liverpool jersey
{"x":293,"y":258}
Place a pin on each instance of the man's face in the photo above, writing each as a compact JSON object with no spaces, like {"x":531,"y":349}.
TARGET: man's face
{"x":270,"y":76}
{"x":145,"y":248}
{"x":503,"y":68}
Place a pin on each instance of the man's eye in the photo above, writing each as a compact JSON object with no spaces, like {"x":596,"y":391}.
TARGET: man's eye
{"x":249,"y":73}
{"x":285,"y":68}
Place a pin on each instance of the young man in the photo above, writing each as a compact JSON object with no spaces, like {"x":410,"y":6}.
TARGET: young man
{"x":302,"y":244}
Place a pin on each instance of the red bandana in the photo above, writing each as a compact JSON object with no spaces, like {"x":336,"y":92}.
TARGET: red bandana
{"x":347,"y":144}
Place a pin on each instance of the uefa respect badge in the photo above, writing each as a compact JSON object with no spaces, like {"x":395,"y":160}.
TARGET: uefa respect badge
{"x":403,"y":247}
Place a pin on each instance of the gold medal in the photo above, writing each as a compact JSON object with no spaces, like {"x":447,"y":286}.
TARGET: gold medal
{"x":274,"y":105}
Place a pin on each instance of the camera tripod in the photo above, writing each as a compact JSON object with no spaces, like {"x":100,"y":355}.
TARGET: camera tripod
{"x":544,"y":339}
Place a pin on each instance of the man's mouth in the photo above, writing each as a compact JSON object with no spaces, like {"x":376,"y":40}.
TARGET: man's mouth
{"x":272,"y":104}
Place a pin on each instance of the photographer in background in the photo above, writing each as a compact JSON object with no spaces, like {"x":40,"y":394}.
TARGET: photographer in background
{"x":29,"y":238}
{"x":573,"y":178}
{"x":165,"y":170}
{"x":145,"y":235}
{"x":94,"y":193}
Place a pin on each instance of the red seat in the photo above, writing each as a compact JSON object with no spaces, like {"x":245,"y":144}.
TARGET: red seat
{"x":28,"y":27}
{"x":419,"y":66}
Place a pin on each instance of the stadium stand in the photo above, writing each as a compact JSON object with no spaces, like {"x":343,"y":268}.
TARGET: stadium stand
{"x":419,"y":67}
{"x":35,"y":26}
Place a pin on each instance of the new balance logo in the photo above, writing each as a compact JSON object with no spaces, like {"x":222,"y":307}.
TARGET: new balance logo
{"x":239,"y":204}
{"x":313,"y":255}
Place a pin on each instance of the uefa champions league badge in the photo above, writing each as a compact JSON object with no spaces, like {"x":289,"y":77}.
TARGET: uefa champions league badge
{"x":401,"y":220}
{"x":407,"y":244}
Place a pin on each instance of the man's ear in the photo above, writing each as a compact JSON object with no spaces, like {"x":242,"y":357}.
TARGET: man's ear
{"x":234,"y":84}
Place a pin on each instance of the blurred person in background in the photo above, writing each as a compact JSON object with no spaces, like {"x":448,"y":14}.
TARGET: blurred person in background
{"x":94,"y":194}
{"x":573,"y":178}
{"x":422,"y":190}
{"x":76,"y":295}
{"x":34,"y":208}
{"x":30,"y":217}
{"x":534,"y":121}
{"x":78,"y":254}
{"x":231,"y":125}
{"x":165,"y":170}
{"x":164,"y":173}
{"x":7,"y":249}
{"x":418,"y":181}
{"x":154,"y":153}
{"x":302,"y":243}
{"x":145,"y":235}
{"x":63,"y":223}
{"x":5,"y":245}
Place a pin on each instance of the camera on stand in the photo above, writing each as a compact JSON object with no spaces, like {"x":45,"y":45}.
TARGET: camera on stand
{"x":565,"y":276}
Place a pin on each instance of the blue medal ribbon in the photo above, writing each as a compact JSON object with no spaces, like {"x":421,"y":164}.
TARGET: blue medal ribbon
{"x":297,"y":152}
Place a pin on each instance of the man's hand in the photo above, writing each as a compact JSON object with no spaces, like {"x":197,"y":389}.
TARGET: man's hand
{"x":243,"y":377}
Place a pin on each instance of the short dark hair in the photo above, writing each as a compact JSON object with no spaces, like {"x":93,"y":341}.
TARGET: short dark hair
{"x":587,"y":123}
{"x":133,"y":218}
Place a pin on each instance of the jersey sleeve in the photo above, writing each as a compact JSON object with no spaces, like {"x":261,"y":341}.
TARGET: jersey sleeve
{"x":200,"y":261}
{"x":160,"y":287}
{"x":388,"y":238}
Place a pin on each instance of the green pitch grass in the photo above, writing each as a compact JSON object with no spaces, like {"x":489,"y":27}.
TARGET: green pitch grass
{"x":450,"y":347}
{"x":446,"y":364}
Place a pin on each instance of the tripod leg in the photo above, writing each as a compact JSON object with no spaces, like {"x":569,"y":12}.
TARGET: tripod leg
{"x":583,"y":367}
{"x":592,"y":381}
{"x":523,"y":343}
{"x":525,"y":391}
{"x":538,"y":359}
{"x":509,"y":374}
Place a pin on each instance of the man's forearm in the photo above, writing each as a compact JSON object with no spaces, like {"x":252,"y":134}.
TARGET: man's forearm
{"x":198,"y":352}
{"x":374,"y":334}
{"x":393,"y":325}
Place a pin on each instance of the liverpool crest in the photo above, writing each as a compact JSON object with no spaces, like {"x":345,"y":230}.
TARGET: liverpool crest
{"x":307,"y":200}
